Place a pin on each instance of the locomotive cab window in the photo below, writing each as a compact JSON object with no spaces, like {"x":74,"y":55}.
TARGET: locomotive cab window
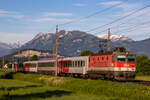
{"x":121,"y":58}
{"x":131,"y":58}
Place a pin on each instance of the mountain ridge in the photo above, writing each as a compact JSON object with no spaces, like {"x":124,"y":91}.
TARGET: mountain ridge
{"x":72,"y":43}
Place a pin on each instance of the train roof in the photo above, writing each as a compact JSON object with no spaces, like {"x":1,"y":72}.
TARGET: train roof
{"x":31,"y":62}
{"x":114,"y":52}
{"x":75,"y":58}
{"x":46,"y":61}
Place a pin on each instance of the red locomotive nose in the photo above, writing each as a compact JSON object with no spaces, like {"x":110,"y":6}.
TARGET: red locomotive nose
{"x":132,"y":65}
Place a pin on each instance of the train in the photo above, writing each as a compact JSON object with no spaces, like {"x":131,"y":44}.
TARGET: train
{"x":115,"y":65}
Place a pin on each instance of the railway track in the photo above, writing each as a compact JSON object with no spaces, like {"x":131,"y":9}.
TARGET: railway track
{"x":141,"y":82}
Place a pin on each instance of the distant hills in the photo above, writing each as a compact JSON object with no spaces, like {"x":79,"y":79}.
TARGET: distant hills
{"x":71,"y":43}
{"x":6,"y":49}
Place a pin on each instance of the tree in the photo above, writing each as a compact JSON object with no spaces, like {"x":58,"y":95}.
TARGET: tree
{"x":34,"y":57}
{"x":86,"y":53}
{"x":143,"y":65}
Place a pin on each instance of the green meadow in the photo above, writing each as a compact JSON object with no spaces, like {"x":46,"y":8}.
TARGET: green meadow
{"x":19,"y":86}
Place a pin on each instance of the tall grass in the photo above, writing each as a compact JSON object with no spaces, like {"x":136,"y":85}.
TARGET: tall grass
{"x":121,"y":91}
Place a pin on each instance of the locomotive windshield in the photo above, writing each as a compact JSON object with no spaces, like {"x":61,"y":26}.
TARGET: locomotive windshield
{"x":131,"y":58}
{"x":121,"y":58}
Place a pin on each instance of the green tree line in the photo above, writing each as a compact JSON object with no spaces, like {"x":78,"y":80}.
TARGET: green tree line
{"x":143,"y":65}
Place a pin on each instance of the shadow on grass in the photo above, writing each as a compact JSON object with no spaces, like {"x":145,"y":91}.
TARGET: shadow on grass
{"x":8,"y":75}
{"x":21,"y":87}
{"x":34,"y":96}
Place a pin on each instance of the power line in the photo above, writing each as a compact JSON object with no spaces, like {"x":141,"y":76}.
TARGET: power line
{"x":93,"y":14}
{"x":125,"y":28}
{"x":119,"y":19}
{"x":132,"y":28}
{"x":122,"y":23}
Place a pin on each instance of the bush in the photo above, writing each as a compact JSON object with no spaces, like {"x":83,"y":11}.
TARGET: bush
{"x":143,"y":65}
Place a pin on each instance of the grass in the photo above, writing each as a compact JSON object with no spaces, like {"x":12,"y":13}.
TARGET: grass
{"x":45,"y":87}
{"x":145,"y":78}
{"x":22,"y":90}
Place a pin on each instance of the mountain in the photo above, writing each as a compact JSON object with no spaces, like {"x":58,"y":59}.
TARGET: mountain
{"x":5,"y":49}
{"x":115,"y":37}
{"x":140,"y":47}
{"x":71,"y":43}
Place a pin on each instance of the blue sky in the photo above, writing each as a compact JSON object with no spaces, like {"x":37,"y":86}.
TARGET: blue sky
{"x":21,"y":20}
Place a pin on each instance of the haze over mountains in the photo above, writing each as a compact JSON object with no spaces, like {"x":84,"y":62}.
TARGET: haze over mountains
{"x":71,"y":43}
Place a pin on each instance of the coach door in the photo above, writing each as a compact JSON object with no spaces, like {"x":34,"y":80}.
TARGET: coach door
{"x":64,"y":66}
{"x":27,"y":67}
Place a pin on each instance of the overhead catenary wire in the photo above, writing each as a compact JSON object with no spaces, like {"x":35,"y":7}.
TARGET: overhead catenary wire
{"x":116,"y":26}
{"x":114,"y":21}
{"x":135,"y":26}
{"x":93,"y":14}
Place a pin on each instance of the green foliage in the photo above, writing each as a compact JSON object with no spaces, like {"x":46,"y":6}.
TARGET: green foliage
{"x":143,"y":65}
{"x":84,"y":89}
{"x":86,"y":53}
{"x":34,"y":58}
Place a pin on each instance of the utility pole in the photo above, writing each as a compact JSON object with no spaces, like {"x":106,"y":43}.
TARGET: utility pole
{"x":3,"y":61}
{"x":19,"y":52}
{"x":108,"y":40}
{"x":18,"y":49}
{"x":13,"y":63}
{"x":56,"y":52}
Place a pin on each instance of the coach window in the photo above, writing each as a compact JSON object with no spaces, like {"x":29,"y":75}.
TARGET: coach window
{"x":102,"y":58}
{"x":66,"y":63}
{"x":78,"y":63}
{"x":70,"y":64}
{"x":60,"y":64}
{"x":75,"y":64}
{"x":81,"y":63}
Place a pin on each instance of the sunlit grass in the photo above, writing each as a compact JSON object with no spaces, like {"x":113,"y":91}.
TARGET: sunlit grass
{"x":145,"y":78}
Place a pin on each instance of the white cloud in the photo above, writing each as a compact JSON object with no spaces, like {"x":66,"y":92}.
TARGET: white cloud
{"x":57,"y":14}
{"x":52,"y":20}
{"x":15,"y":37}
{"x":110,"y":3}
{"x":15,"y":15}
{"x":80,"y":4}
{"x":123,"y":5}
